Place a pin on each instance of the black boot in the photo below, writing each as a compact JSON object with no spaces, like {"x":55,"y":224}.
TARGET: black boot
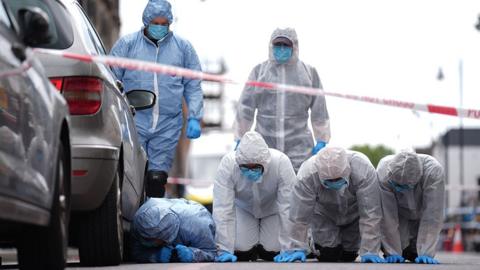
{"x":265,"y":254}
{"x":329,"y":254}
{"x":156,"y":181}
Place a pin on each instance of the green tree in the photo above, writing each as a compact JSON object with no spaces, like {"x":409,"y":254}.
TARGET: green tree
{"x":374,"y":153}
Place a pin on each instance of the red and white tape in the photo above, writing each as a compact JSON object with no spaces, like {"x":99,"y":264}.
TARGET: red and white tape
{"x":192,"y":74}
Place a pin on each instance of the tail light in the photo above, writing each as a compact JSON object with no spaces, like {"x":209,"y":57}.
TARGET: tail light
{"x":83,"y":94}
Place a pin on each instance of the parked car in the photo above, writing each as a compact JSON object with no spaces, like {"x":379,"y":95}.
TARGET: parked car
{"x":35,"y":147}
{"x":108,"y":163}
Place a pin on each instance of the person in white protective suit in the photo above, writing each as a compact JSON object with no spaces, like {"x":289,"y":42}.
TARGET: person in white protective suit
{"x":282,"y":117}
{"x":251,"y":201}
{"x":413,"y":201}
{"x":338,"y":197}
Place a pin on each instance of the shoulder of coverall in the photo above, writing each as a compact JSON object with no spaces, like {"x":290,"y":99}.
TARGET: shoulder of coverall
{"x":431,"y":169}
{"x":382,"y":172}
{"x":360,"y":165}
{"x":124,"y":43}
{"x":307,"y":169}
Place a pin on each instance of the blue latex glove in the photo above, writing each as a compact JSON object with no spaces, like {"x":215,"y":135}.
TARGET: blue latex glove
{"x":164,"y":255}
{"x":395,"y":259}
{"x":193,"y":129}
{"x":318,"y":147}
{"x":370,"y":258}
{"x":237,"y":142}
{"x":225,"y":256}
{"x":184,"y":253}
{"x":291,"y":256}
{"x":426,"y":259}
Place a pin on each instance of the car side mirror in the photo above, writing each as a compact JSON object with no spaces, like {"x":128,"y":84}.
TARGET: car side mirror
{"x":141,"y":99}
{"x":34,"y":25}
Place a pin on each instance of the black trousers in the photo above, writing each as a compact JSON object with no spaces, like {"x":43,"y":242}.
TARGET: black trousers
{"x":255,"y":253}
{"x":335,"y":254}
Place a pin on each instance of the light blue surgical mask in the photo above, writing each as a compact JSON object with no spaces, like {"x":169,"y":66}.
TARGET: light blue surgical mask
{"x":282,"y":53}
{"x":335,"y":184}
{"x":157,"y":31}
{"x":400,"y":187}
{"x":252,"y":174}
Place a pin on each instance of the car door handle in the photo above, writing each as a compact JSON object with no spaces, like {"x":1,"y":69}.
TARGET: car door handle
{"x":19,"y":51}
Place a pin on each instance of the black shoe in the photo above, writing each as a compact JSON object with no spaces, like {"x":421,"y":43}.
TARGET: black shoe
{"x":156,"y":181}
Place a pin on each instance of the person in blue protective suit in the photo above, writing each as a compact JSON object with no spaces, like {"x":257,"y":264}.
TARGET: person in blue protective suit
{"x":250,"y":201}
{"x":413,"y":201}
{"x":160,"y":127}
{"x":338,"y":197}
{"x":173,"y":230}
{"x":282,"y":117}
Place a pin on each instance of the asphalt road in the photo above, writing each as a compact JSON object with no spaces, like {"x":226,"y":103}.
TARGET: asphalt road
{"x":462,"y":261}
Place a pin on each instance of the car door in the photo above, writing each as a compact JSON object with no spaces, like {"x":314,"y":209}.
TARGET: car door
{"x":26,"y":166}
{"x":133,"y":153}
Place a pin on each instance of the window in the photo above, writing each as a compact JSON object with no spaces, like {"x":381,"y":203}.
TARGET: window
{"x":60,"y":28}
{"x":89,"y":31}
{"x":4,"y":16}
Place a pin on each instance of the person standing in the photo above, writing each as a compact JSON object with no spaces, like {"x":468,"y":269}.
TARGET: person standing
{"x":282,"y":117}
{"x":160,"y":127}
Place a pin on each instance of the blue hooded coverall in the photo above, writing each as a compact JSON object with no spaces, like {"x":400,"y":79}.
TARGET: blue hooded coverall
{"x":159,"y":127}
{"x":174,"y":221}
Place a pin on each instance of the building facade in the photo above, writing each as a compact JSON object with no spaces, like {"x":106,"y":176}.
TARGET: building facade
{"x":105,"y":16}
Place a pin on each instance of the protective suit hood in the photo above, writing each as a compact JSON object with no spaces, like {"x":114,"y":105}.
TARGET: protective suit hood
{"x":157,"y":8}
{"x":290,"y":34}
{"x":405,"y":168}
{"x":253,"y":150}
{"x":332,"y":163}
{"x":157,"y":223}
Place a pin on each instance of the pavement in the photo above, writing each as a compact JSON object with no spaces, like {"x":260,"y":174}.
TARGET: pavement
{"x":454,"y":261}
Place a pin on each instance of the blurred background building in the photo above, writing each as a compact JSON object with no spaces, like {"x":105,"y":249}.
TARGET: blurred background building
{"x":105,"y":15}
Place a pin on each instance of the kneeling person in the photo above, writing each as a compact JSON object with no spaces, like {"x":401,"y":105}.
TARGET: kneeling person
{"x":173,"y":230}
{"x":250,"y":201}
{"x":338,"y":197}
{"x":413,"y":200}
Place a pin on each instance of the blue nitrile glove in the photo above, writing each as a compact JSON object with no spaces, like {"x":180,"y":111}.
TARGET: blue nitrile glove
{"x":164,"y":255}
{"x":370,"y":258}
{"x":395,"y":259}
{"x":193,"y":128}
{"x":225,"y":256}
{"x":237,"y":142}
{"x":184,"y":253}
{"x":291,"y":256}
{"x":318,"y":147}
{"x":426,"y":259}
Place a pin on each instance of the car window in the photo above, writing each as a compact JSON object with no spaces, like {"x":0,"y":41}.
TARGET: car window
{"x":89,"y":31}
{"x":4,"y":16}
{"x":60,"y":28}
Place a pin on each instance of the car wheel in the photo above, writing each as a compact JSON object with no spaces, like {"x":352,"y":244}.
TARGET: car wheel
{"x":100,"y":240}
{"x":47,"y":247}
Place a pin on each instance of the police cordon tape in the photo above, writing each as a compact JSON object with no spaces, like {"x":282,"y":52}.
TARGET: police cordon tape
{"x":192,"y":74}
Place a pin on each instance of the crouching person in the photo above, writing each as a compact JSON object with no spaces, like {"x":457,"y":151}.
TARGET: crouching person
{"x":250,"y":201}
{"x":338,"y":197}
{"x":413,"y":201}
{"x":173,"y":230}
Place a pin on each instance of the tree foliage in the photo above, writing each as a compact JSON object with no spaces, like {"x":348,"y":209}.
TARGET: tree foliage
{"x":374,"y":153}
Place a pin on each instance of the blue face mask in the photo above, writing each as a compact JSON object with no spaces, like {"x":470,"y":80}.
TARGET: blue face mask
{"x":400,"y":187}
{"x":335,"y":185}
{"x":252,"y":174}
{"x":157,"y":31}
{"x":282,"y":53}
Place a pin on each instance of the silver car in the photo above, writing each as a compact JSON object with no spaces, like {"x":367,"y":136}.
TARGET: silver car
{"x":109,"y":164}
{"x":34,"y":146}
